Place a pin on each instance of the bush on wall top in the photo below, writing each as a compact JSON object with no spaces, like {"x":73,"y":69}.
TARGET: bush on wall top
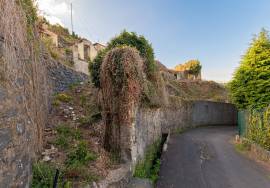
{"x":125,"y":39}
{"x":192,"y":66}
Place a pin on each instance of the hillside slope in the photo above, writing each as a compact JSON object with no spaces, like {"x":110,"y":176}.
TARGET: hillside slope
{"x":197,"y":90}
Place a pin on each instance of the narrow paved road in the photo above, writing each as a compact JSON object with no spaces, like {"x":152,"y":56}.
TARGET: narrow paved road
{"x":205,"y":158}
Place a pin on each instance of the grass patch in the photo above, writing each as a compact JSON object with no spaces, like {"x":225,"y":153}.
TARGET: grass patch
{"x":88,"y":120}
{"x":62,"y":141}
{"x":149,"y":167}
{"x":83,"y":100}
{"x":65,"y":134}
{"x":243,"y":146}
{"x":82,"y":172}
{"x":80,"y":156}
{"x":180,"y":130}
{"x":73,"y":85}
{"x":56,"y":103}
{"x":43,"y":175}
{"x":62,"y":97}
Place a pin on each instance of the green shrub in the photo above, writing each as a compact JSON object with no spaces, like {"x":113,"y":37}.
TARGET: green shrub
{"x":62,"y":141}
{"x":65,"y":134}
{"x":125,"y":39}
{"x":82,"y":172}
{"x":43,"y":175}
{"x":56,"y":103}
{"x":95,"y":65}
{"x":31,"y":16}
{"x":149,"y":167}
{"x":73,"y":85}
{"x":63,"y":97}
{"x":83,"y":100}
{"x":192,"y":66}
{"x":250,"y":86}
{"x":243,"y":146}
{"x":88,"y":120}
{"x":80,"y":155}
{"x":258,"y":127}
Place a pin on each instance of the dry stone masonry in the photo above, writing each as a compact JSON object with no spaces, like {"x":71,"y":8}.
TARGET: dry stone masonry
{"x":27,"y":82}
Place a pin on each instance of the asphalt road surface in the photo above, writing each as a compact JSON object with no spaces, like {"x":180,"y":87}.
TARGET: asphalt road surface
{"x":206,"y":158}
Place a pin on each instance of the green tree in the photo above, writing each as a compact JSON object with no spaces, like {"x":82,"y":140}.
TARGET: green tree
{"x":250,"y":86}
{"x":125,"y":39}
{"x":192,"y":66}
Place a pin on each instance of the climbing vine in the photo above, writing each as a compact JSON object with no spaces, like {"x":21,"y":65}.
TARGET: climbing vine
{"x":121,"y":85}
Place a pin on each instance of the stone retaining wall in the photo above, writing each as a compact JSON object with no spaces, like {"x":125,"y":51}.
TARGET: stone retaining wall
{"x":150,"y":124}
{"x":198,"y":113}
{"x":61,"y":76}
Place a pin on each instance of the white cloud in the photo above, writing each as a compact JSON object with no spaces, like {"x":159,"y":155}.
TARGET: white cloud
{"x":54,"y":10}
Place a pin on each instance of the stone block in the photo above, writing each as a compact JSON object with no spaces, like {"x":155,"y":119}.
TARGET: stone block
{"x":3,"y":94}
{"x":5,"y":138}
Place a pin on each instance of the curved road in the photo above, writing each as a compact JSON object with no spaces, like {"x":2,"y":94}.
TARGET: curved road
{"x":205,"y":158}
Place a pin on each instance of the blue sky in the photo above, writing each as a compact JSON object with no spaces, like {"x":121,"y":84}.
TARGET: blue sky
{"x":217,"y":32}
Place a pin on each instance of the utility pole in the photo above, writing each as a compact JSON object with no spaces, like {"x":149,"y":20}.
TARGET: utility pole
{"x":72,"y":31}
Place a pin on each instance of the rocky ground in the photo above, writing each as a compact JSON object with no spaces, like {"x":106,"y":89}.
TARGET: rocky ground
{"x":74,"y":137}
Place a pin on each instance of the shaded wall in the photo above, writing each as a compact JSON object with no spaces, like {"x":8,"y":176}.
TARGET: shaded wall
{"x":24,"y":96}
{"x":213,"y":113}
{"x":150,"y":124}
{"x":62,"y":77}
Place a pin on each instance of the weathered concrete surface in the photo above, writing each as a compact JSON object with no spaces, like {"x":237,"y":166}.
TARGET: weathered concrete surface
{"x":140,"y":183}
{"x":213,"y":113}
{"x":150,"y":124}
{"x":197,"y":113}
{"x":206,"y":158}
{"x":146,"y":130}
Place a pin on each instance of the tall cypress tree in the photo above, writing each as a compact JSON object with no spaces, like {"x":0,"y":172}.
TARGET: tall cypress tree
{"x":250,"y":86}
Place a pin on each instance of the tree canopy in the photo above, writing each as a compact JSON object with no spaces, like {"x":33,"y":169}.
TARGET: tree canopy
{"x":192,"y":66}
{"x":250,"y":86}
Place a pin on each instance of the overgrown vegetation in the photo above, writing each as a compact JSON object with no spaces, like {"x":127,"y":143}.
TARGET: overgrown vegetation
{"x":80,"y":155}
{"x":243,"y":146}
{"x":250,"y":86}
{"x":121,"y":81}
{"x":31,"y":16}
{"x":192,"y":66}
{"x":63,"y":97}
{"x":75,"y":164}
{"x":258,"y":127}
{"x":65,"y":134}
{"x":77,"y":140}
{"x":150,"y":165}
{"x":95,"y":65}
{"x":43,"y":175}
{"x":125,"y":39}
{"x":50,"y":47}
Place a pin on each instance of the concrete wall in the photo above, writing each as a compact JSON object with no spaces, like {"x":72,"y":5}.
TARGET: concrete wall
{"x":81,"y":66}
{"x":146,"y":130}
{"x":198,"y":113}
{"x":213,"y":113}
{"x":150,"y":124}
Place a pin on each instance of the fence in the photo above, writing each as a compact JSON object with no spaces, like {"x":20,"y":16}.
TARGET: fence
{"x":242,"y":121}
